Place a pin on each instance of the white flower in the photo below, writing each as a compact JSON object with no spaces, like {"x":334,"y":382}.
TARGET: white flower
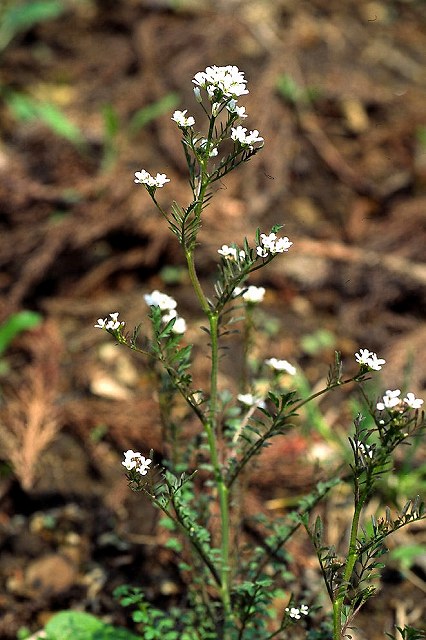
{"x":135,"y":460}
{"x":252,"y":294}
{"x":228,"y":81}
{"x":180,"y":324}
{"x":112,"y":325}
{"x":238,"y":134}
{"x":213,"y":150}
{"x":143,"y":177}
{"x":143,"y":467}
{"x":304,"y":609}
{"x":412,"y":401}
{"x":162,"y":300}
{"x":234,"y":108}
{"x":250,"y":400}
{"x":231,"y":253}
{"x":281,"y":365}
{"x":390,"y":399}
{"x":271,"y":245}
{"x":181,"y":120}
{"x":369,"y":359}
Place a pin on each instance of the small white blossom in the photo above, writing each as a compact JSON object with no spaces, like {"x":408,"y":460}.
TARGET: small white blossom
{"x":181,"y":120}
{"x":369,"y":359}
{"x":391,"y":399}
{"x":143,"y":177}
{"x":250,"y":400}
{"x":180,"y":324}
{"x":281,"y":365}
{"x":252,"y":294}
{"x":239,"y":134}
{"x":366,"y":449}
{"x":412,"y":401}
{"x":234,"y":108}
{"x":162,"y":300}
{"x":213,"y":150}
{"x":271,"y":245}
{"x":231,"y":253}
{"x":135,"y":460}
{"x":143,"y":467}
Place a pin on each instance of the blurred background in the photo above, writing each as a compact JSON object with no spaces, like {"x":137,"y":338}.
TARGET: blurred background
{"x":87,"y":90}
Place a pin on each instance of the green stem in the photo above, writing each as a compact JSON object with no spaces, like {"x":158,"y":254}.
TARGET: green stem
{"x":211,"y":428}
{"x":350,"y":564}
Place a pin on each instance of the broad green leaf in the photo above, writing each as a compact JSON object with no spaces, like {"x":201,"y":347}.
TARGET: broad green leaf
{"x":15,"y":324}
{"x":83,"y":626}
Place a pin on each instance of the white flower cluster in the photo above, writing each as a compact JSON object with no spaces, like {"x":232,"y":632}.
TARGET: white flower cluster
{"x":369,"y":359}
{"x":109,"y":325}
{"x":220,"y":81}
{"x":239,"y":134}
{"x":251,"y":294}
{"x":270,"y":245}
{"x":298,"y":612}
{"x":168,"y":305}
{"x":143,"y":177}
{"x":281,"y":365}
{"x":232,"y":253}
{"x":135,"y":460}
{"x":181,"y":120}
{"x":250,"y":400}
{"x":392,"y":399}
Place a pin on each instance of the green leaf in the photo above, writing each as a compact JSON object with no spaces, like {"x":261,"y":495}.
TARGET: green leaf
{"x":21,"y":16}
{"x":83,"y":626}
{"x":25,"y":108}
{"x":15,"y":324}
{"x":144,"y":116}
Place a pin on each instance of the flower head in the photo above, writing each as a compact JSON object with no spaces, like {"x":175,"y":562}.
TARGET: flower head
{"x":179,"y":325}
{"x":369,"y":359}
{"x":281,"y":365}
{"x":221,"y":82}
{"x":271,"y":245}
{"x":234,"y":108}
{"x":162,"y":300}
{"x":391,"y":399}
{"x":413,"y":402}
{"x":231,"y":253}
{"x":296,"y":612}
{"x":251,"y":294}
{"x":250,"y":400}
{"x":143,"y":177}
{"x":181,"y":120}
{"x":110,"y":325}
{"x":239,"y":134}
{"x":135,"y":460}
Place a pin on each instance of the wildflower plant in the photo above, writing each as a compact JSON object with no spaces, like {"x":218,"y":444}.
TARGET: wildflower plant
{"x":232,"y":585}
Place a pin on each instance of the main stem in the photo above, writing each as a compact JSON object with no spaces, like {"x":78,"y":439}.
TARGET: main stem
{"x":350,"y":564}
{"x":210,"y":422}
{"x":210,"y":428}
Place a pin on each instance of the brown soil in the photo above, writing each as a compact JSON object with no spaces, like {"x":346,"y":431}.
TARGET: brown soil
{"x":346,"y":173}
